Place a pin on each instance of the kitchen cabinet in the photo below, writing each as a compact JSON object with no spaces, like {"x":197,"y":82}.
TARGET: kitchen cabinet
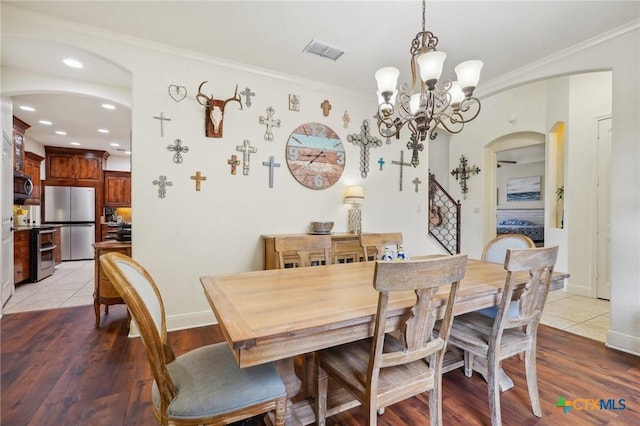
{"x":74,"y":165}
{"x":21,"y":256}
{"x":104,"y":293}
{"x":117,"y":189}
{"x":32,"y":168}
{"x":19,"y":128}
{"x":345,"y":248}
{"x":57,"y":252}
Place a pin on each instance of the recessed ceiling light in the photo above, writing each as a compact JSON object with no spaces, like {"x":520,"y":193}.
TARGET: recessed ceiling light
{"x":61,"y":133}
{"x":75,"y":143}
{"x":114,"y":144}
{"x":27,"y":108}
{"x":73,"y":63}
{"x":103,"y":131}
{"x":108,"y":106}
{"x":45,"y":122}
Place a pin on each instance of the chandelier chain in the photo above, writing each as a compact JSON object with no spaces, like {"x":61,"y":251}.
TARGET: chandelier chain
{"x":424,"y":15}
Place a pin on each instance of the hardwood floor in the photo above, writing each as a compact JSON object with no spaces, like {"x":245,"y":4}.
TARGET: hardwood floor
{"x":56,"y":368}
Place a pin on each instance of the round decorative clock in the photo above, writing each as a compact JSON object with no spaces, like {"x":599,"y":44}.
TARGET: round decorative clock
{"x":315,"y":155}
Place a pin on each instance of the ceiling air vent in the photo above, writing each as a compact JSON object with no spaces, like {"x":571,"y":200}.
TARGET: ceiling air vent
{"x":323,"y":49}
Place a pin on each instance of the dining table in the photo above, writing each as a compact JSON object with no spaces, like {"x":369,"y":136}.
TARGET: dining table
{"x":278,"y":314}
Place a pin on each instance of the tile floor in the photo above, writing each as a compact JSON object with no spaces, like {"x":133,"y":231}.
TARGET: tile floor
{"x":72,"y":285}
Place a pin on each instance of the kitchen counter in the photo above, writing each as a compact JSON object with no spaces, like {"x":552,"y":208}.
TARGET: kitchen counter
{"x":111,"y":244}
{"x":30,"y":227}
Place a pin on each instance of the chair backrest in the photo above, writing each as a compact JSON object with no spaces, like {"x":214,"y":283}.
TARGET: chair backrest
{"x":425,"y":277}
{"x":537,"y":265}
{"x":496,"y":249}
{"x":373,"y":244}
{"x":302,"y":245}
{"x":144,"y":302}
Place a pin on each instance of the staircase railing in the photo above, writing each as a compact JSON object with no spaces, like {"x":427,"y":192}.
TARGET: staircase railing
{"x":444,"y":217}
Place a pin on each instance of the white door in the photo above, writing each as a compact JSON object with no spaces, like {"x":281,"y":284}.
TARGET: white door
{"x":6,"y":207}
{"x":603,"y":230}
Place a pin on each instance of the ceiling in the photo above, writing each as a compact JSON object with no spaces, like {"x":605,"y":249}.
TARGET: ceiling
{"x":271,"y":35}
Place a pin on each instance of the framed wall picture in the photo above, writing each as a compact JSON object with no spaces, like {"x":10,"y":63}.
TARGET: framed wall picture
{"x":523,"y":189}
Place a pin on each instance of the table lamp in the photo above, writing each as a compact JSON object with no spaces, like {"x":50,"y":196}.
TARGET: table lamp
{"x":354,"y":195}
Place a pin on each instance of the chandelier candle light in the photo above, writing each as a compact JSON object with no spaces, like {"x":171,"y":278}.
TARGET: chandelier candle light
{"x":354,"y":195}
{"x":425,"y":106}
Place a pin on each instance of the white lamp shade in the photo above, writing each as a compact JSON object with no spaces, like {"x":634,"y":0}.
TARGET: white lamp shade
{"x":457,"y":95}
{"x":414,"y":103}
{"x":430,"y":64}
{"x":387,"y":79}
{"x":354,"y":194}
{"x":468,"y":73}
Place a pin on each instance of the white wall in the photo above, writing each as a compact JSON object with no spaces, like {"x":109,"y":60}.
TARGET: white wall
{"x":217,"y":230}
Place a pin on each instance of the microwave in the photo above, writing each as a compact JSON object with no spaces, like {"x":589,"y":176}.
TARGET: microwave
{"x":22,"y":186}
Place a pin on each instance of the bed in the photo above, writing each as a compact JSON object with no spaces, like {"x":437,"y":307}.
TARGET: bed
{"x":529,"y":222}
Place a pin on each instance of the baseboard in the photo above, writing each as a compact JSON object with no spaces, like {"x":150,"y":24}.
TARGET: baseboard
{"x":578,"y":290}
{"x":181,"y":322}
{"x":623,"y":342}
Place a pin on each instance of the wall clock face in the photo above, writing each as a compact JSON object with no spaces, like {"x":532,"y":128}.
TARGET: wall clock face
{"x":315,"y":155}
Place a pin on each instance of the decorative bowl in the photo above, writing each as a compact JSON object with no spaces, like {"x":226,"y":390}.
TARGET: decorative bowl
{"x":321,"y":227}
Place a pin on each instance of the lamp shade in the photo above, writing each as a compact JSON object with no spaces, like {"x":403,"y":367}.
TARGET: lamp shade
{"x":354,"y":194}
{"x":431,"y":65}
{"x":468,"y":73}
{"x":414,"y":102}
{"x":387,"y":79}
{"x":457,"y":95}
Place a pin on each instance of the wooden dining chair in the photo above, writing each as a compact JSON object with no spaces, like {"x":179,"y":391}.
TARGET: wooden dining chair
{"x":302,"y":248}
{"x":204,"y":386}
{"x":373,"y":244}
{"x":496,"y":250}
{"x":383,"y":370}
{"x":495,"y":339}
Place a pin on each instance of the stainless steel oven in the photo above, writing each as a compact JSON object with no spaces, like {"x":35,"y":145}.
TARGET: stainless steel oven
{"x":43,"y":262}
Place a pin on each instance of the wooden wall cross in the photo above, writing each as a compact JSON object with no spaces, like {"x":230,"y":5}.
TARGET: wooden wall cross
{"x":346,"y":119}
{"x":326,"y":107}
{"x":270,"y":122}
{"x":198,"y":178}
{"x":178,"y":149}
{"x":271,"y":164}
{"x":365,"y":141}
{"x":162,"y":183}
{"x":402,"y":164}
{"x":162,"y":119}
{"x":246,"y":150}
{"x":233,"y":162}
{"x":416,"y":182}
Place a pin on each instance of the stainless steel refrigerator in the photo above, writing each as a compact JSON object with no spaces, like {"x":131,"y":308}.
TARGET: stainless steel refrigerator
{"x":74,"y":209}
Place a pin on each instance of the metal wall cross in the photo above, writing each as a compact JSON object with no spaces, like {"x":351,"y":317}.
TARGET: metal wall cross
{"x":416,"y":182}
{"x":198,"y":178}
{"x":381,"y":162}
{"x":246,"y":150}
{"x":365,"y":141}
{"x":162,"y":183}
{"x":463,"y":172}
{"x":415,"y":145}
{"x":270,"y":123}
{"x":402,"y":164}
{"x":271,"y":164}
{"x":248,"y":94}
{"x":178,"y":149}
{"x":162,"y":120}
{"x":233,"y":162}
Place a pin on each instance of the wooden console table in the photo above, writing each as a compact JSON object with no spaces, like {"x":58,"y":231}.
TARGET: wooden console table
{"x":104,"y":293}
{"x":345,"y":248}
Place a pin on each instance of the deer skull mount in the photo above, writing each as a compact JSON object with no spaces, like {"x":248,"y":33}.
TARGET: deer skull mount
{"x":215,"y":111}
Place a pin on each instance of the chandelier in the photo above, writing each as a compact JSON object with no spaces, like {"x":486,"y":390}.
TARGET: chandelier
{"x":424,"y":107}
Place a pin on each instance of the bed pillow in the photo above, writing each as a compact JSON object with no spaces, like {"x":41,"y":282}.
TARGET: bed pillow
{"x":519,"y":222}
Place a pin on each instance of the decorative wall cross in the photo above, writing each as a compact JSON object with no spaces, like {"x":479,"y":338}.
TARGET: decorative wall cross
{"x":402,"y":164}
{"x":346,"y":119}
{"x":233,"y":162}
{"x":326,"y":107}
{"x":162,"y":120}
{"x":248,"y":94}
{"x":415,"y":145}
{"x":365,"y":141}
{"x":246,"y":150}
{"x":381,"y":162}
{"x":178,"y":149}
{"x":198,"y":178}
{"x":270,"y":123}
{"x":162,"y":183}
{"x":271,"y":164}
{"x":463,"y":172}
{"x":416,"y":182}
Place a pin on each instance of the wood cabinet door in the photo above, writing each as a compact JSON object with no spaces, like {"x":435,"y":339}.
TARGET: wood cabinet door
{"x":88,"y":168}
{"x":60,"y":166}
{"x":117,"y":189}
{"x":32,"y":168}
{"x":21,"y":256}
